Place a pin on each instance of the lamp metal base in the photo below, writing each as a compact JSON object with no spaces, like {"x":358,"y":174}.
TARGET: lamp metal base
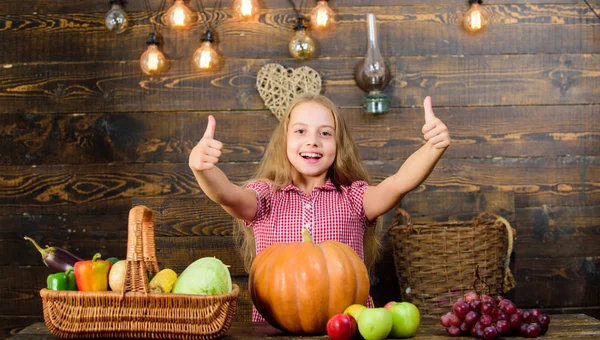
{"x":376,"y":102}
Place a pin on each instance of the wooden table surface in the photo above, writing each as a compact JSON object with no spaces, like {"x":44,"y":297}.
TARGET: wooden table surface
{"x":562,"y":326}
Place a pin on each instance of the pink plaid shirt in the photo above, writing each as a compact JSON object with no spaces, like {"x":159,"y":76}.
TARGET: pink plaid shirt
{"x":327,"y":213}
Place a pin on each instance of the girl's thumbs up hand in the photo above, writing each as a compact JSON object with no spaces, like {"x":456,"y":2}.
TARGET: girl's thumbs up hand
{"x":434,"y":130}
{"x":206,"y":153}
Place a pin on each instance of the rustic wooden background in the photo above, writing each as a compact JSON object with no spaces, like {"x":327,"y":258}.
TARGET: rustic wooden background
{"x":84,"y":134}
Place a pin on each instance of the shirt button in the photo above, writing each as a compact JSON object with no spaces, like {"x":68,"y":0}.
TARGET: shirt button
{"x":307,"y":226}
{"x":307,"y":206}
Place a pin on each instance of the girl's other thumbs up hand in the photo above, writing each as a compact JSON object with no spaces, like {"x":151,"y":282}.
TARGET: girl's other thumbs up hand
{"x":434,"y":130}
{"x":206,"y":153}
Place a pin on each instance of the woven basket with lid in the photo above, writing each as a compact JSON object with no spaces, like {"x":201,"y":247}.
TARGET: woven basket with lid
{"x":436,"y":263}
{"x":136,"y":312}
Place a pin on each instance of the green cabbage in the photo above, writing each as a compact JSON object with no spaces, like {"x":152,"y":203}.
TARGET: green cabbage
{"x":206,"y":276}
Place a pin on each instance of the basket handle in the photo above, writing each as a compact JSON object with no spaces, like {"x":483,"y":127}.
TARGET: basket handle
{"x":484,"y":215}
{"x":399,"y":213}
{"x":141,"y":251}
{"x":509,"y":280}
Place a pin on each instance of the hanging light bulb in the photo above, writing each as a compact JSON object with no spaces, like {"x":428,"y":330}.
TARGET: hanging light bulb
{"x":116,"y":19}
{"x":153,"y":61}
{"x":476,"y":17}
{"x":245,"y":9}
{"x":322,"y":16}
{"x":301,"y":46}
{"x":372,"y":75}
{"x":178,"y":16}
{"x":205,"y":56}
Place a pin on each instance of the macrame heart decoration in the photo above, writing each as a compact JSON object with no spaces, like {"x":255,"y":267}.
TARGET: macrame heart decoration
{"x":278,"y":85}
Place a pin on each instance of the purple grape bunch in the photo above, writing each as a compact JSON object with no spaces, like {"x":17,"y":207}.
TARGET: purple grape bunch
{"x":488,"y":318}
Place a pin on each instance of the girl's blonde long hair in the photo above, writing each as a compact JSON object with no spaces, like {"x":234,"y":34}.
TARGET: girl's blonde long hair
{"x":276,"y":169}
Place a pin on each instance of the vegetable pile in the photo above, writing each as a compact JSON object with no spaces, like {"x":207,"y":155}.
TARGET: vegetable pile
{"x":206,"y":276}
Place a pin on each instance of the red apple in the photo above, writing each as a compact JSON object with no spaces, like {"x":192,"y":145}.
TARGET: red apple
{"x":389,"y":305}
{"x":342,"y":327}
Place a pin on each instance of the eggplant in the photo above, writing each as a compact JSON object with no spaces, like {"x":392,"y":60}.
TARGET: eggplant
{"x":57,"y":259}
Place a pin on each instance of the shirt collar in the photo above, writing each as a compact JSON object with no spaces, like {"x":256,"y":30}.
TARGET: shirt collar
{"x":328,"y":186}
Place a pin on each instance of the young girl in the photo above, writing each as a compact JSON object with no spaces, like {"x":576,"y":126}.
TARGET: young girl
{"x":311,"y":178}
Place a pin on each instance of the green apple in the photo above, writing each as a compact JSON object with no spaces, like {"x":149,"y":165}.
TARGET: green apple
{"x":355,"y":310}
{"x":406,"y":319}
{"x":375,"y":323}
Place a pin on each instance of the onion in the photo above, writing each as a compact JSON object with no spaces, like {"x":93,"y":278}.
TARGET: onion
{"x":116,"y":276}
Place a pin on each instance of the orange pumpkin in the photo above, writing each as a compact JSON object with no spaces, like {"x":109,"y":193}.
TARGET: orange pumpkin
{"x":298,"y":287}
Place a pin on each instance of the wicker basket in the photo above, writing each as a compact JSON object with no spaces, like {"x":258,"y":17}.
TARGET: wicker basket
{"x":436,"y":263}
{"x":137,"y":313}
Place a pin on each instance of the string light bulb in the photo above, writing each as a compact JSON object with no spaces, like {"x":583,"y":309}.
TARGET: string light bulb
{"x":476,"y":18}
{"x":322,"y":16}
{"x":246,"y":9}
{"x":301,"y":46}
{"x":153,"y":61}
{"x":179,"y":16}
{"x":206,"y":57}
{"x":116,"y":20}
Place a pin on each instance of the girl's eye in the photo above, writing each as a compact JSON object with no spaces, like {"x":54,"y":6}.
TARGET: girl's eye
{"x":326,"y":133}
{"x":299,"y":131}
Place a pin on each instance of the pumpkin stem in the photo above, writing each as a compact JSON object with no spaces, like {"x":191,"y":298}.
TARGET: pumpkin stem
{"x":306,"y":236}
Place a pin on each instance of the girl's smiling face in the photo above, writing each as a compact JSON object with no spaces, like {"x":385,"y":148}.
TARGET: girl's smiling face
{"x":311,"y":145}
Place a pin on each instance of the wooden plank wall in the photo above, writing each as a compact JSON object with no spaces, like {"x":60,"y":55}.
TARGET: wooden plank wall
{"x":83,"y":131}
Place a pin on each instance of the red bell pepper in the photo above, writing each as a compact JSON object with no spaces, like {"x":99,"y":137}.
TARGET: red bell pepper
{"x":92,"y":275}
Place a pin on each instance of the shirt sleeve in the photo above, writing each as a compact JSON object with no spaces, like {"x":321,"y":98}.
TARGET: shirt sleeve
{"x":263,"y":198}
{"x":356,"y":193}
